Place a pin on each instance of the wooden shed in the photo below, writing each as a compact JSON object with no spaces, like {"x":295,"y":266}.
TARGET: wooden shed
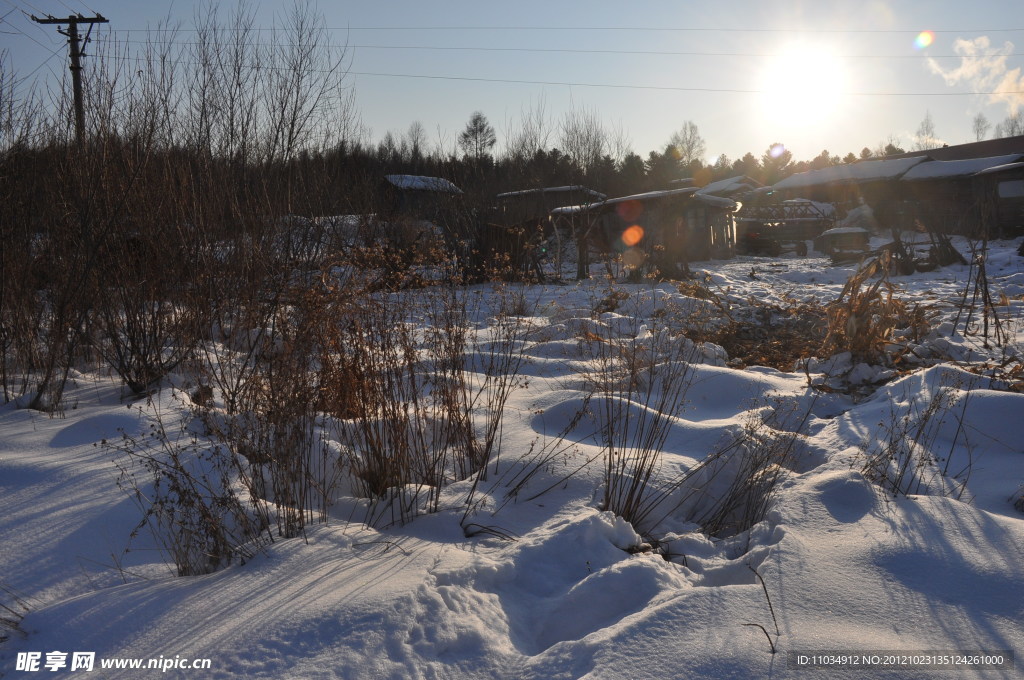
{"x":971,"y":189}
{"x":874,"y":182}
{"x":669,"y":228}
{"x":415,"y":210}
{"x":953,"y":197}
{"x":540,"y":213}
{"x":517,"y":207}
{"x":419,"y":196}
{"x":1002,"y":204}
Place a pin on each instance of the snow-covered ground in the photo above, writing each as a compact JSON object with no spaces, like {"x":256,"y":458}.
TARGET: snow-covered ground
{"x":548,"y":585}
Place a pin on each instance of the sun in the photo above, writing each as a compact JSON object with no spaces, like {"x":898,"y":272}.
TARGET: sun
{"x":802,"y":87}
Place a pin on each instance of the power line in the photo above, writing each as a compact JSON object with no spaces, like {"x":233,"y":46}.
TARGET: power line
{"x":620,"y":29}
{"x":675,"y":53}
{"x":28,"y":4}
{"x":563,"y":83}
{"x":35,"y":40}
{"x":45,"y":62}
{"x":667,"y":87}
{"x":67,"y":6}
{"x":562,"y":50}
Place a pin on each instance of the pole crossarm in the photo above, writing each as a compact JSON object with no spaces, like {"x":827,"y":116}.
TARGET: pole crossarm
{"x":74,"y":19}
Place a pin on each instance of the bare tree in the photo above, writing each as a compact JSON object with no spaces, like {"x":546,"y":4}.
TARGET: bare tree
{"x":1012,"y":126}
{"x":925,"y":137}
{"x":533,"y":134}
{"x":619,"y":143}
{"x":303,"y":85}
{"x":416,"y":141}
{"x":981,"y":126}
{"x":582,"y":138}
{"x":688,"y":143}
{"x":890,"y":146}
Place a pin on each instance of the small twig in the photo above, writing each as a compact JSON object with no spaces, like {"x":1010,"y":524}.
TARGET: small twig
{"x":770,"y":607}
{"x":483,"y":529}
{"x":770,"y":643}
{"x":388,"y":545}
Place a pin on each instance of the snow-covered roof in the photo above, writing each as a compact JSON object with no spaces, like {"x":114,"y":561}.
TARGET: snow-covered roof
{"x":844,"y":230}
{"x":570,"y":209}
{"x":717,"y":201}
{"x":554,"y":190}
{"x":423,"y":183}
{"x":823,"y":208}
{"x":852,"y":173}
{"x":649,"y":196}
{"x":962,"y":168}
{"x":1001,"y":168}
{"x":730,"y":185}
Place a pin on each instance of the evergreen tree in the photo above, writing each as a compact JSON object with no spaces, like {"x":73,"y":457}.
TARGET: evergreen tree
{"x":662,"y":168}
{"x":748,"y":165}
{"x":631,"y":176}
{"x":775,"y":163}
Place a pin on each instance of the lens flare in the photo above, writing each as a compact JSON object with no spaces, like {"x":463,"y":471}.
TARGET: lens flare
{"x":632,"y":235}
{"x":634,"y":258}
{"x":924,"y":39}
{"x":777,"y":150}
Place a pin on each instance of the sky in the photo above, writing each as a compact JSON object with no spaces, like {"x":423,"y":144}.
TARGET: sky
{"x":811,"y":74}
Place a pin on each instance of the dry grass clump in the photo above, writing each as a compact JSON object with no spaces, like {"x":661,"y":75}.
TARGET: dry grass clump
{"x":417,"y":394}
{"x":862,"y":320}
{"x":776,"y":337}
{"x":735,"y":486}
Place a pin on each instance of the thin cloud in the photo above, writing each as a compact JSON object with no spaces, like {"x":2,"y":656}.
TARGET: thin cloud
{"x":984,"y":68}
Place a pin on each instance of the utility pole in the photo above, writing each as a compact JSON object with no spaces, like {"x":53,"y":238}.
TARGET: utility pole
{"x":76,"y":63}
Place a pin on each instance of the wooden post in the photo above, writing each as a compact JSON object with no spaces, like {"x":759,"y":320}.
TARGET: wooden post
{"x":76,"y":62}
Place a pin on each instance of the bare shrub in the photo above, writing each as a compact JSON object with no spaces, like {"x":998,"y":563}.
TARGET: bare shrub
{"x":147,"y":320}
{"x":418,"y":395}
{"x":640,"y":381}
{"x":755,"y":462}
{"x":188,"y":493}
{"x":906,"y":460}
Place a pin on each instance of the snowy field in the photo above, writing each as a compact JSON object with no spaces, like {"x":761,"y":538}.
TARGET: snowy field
{"x":533,"y":578}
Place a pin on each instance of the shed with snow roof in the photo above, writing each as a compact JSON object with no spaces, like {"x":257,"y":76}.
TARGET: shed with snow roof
{"x":671,"y":227}
{"x":951,"y":196}
{"x":731,"y":187}
{"x":1002,"y":188}
{"x":962,"y":196}
{"x":413,"y":209}
{"x":514,"y":207}
{"x":873,"y":182}
{"x":419,"y":196}
{"x":550,"y":210}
